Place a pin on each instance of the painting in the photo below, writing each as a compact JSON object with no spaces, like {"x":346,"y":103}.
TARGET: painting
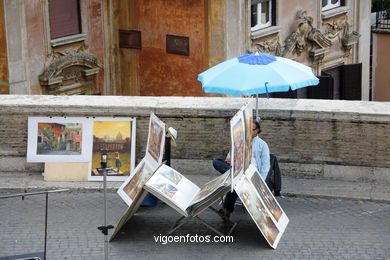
{"x":257,"y":211}
{"x":267,"y":197}
{"x":132,"y":187}
{"x":237,"y":130}
{"x":117,"y":137}
{"x":248,"y":119}
{"x":59,"y":139}
{"x":164,"y":187}
{"x":156,"y":140}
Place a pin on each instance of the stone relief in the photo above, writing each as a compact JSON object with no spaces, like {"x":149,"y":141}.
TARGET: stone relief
{"x":306,"y":37}
{"x":70,"y":72}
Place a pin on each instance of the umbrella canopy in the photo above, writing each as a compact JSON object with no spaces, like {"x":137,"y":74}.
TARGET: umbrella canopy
{"x":258,"y":73}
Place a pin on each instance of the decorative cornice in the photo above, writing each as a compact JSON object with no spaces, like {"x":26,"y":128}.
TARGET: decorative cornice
{"x":58,"y":65}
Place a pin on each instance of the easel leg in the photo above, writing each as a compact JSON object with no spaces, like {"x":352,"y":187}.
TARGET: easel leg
{"x":178,"y":223}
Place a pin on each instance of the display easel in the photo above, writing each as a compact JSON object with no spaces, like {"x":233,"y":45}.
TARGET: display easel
{"x":182,"y":220}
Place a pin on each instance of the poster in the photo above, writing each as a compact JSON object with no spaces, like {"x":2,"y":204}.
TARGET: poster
{"x":237,"y":130}
{"x":59,"y":139}
{"x":258,"y":212}
{"x":262,"y":206}
{"x":248,"y":119}
{"x":117,"y":136}
{"x":156,"y":141}
{"x":132,"y":188}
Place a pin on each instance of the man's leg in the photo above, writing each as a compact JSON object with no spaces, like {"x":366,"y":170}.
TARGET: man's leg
{"x":221,"y":165}
{"x":230,"y":200}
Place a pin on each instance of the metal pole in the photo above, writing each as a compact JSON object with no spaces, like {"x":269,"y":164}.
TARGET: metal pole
{"x":168,"y":149}
{"x":257,"y":108}
{"x":105,"y":213}
{"x":44,"y":251}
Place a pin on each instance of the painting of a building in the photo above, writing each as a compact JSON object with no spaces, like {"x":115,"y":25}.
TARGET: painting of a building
{"x":56,"y":138}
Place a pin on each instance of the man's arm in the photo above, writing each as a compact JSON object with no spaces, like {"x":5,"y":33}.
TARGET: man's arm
{"x":265,"y":161}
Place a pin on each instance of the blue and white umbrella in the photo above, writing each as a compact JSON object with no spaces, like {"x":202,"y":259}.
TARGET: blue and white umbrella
{"x":258,"y":73}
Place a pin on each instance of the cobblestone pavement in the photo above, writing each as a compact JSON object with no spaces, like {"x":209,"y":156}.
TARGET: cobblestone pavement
{"x":318,"y":229}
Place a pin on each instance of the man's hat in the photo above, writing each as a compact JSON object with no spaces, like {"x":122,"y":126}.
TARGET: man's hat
{"x":173,"y":134}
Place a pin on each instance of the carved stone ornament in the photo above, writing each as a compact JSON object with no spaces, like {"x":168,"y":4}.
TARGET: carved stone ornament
{"x":71,"y":73}
{"x":305,"y":35}
{"x":349,"y":38}
{"x":270,"y":45}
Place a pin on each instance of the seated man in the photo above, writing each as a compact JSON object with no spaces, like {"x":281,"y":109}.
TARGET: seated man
{"x":260,"y":159}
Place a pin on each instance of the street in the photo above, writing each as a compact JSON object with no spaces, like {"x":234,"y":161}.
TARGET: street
{"x":318,"y":229}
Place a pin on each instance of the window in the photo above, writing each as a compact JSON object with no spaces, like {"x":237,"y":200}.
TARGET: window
{"x":261,"y":14}
{"x":330,"y":4}
{"x":64,"y":17}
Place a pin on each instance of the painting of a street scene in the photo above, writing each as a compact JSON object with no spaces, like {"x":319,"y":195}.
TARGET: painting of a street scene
{"x":267,"y":196}
{"x":257,"y":211}
{"x":59,"y":138}
{"x":155,"y":140}
{"x":164,"y":187}
{"x":134,"y":187}
{"x":171,"y":175}
{"x":115,"y":137}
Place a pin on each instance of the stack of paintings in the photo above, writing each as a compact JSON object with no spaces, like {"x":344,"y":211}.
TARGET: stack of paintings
{"x":249,"y":185}
{"x":132,"y":189}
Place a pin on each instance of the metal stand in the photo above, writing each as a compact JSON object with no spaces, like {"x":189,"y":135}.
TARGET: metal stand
{"x":104,"y":229}
{"x":46,"y":211}
{"x":182,"y":220}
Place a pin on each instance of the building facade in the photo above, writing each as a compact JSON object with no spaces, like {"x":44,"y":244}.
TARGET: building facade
{"x":54,"y":46}
{"x":157,"y":48}
{"x":381,"y":52}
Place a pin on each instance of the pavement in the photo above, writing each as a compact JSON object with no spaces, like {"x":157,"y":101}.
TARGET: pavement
{"x":328,"y":220}
{"x":291,"y":187}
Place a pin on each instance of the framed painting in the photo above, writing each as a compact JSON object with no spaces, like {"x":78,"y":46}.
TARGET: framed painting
{"x":156,"y":141}
{"x":131,"y":188}
{"x":237,"y":131}
{"x":59,"y":139}
{"x":258,"y":211}
{"x":248,"y":119}
{"x":117,"y":137}
{"x":269,"y":201}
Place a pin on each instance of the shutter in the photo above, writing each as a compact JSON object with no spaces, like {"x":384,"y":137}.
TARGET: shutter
{"x":324,"y":90}
{"x":273,"y":12}
{"x":64,"y":18}
{"x":289,"y":94}
{"x":351,"y":82}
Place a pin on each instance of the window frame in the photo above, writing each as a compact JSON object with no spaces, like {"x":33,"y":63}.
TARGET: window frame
{"x":271,"y":13}
{"x":329,"y":5}
{"x":53,"y":43}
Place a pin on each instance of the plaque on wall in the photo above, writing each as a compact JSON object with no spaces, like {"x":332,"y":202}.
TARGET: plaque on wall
{"x":129,"y":39}
{"x":178,"y":44}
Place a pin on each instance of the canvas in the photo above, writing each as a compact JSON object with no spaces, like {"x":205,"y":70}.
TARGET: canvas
{"x":59,"y":139}
{"x":156,"y":141}
{"x":132,"y":187}
{"x":117,"y":136}
{"x":248,"y":119}
{"x":237,"y":130}
{"x":262,"y":206}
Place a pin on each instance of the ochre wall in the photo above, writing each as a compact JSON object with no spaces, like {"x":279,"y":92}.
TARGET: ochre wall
{"x":36,"y":44}
{"x":381,"y":85}
{"x":4,"y":89}
{"x":162,"y":73}
{"x":95,"y":38}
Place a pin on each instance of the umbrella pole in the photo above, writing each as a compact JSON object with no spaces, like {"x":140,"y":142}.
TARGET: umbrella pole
{"x":257,"y":108}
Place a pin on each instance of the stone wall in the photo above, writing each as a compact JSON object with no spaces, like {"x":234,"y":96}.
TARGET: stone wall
{"x":311,"y":138}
